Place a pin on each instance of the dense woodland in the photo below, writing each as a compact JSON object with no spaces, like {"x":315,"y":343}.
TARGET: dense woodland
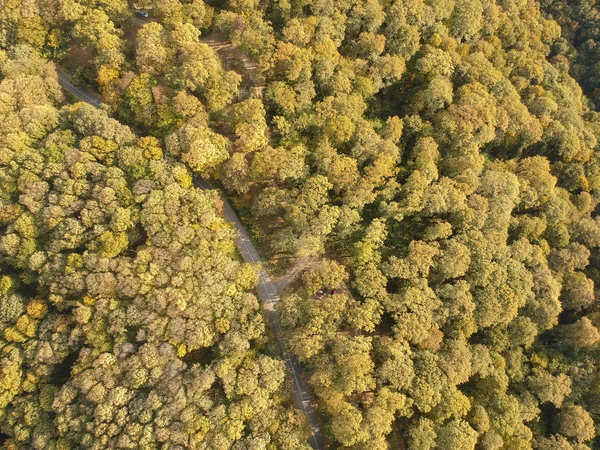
{"x":579,"y":42}
{"x":439,"y":160}
{"x":127,"y":319}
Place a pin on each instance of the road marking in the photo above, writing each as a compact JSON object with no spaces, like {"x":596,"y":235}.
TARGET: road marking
{"x":272,"y":298}
{"x":64,"y":80}
{"x":291,"y":365}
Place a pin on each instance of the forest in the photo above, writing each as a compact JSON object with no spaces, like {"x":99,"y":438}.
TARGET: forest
{"x":428,"y":172}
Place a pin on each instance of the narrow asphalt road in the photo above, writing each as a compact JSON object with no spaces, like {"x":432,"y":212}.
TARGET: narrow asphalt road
{"x":85,"y":95}
{"x":267,"y":289}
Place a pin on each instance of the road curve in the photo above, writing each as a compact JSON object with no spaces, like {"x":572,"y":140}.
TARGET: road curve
{"x":267,"y":289}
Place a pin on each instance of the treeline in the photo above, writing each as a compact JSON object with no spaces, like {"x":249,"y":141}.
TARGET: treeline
{"x":126,"y":318}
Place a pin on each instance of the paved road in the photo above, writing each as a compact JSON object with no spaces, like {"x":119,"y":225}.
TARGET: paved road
{"x":267,"y":289}
{"x":85,"y":95}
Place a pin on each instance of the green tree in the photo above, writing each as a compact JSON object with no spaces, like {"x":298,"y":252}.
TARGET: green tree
{"x":575,"y":422}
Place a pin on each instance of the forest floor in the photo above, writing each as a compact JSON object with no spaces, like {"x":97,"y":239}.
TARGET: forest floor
{"x":253,"y":84}
{"x":78,"y":55}
{"x":232,"y":58}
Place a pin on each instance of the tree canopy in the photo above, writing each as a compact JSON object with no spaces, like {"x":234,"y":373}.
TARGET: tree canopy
{"x":433,"y":167}
{"x":127,"y":318}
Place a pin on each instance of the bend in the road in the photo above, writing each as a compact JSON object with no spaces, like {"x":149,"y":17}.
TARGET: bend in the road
{"x":267,"y":289}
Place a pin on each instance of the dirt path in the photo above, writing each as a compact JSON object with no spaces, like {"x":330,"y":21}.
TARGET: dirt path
{"x":292,"y":273}
{"x":269,"y":292}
